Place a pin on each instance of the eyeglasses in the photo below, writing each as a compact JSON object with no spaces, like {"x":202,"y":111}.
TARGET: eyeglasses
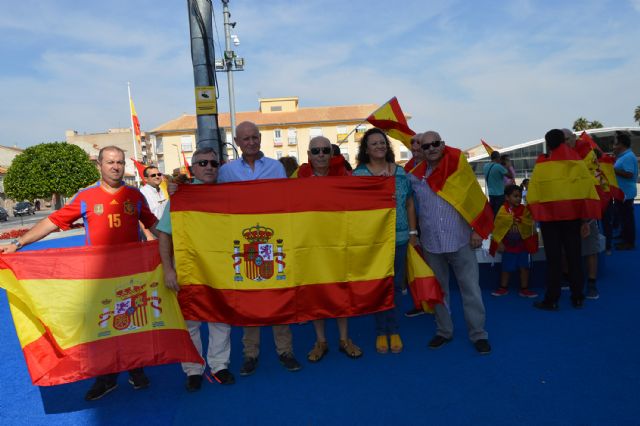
{"x":203,"y":163}
{"x":434,"y":144}
{"x":154,"y":175}
{"x":316,"y":151}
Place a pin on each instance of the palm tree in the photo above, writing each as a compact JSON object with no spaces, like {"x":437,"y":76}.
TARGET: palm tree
{"x":636,"y":114}
{"x":595,"y":124}
{"x":580,"y":124}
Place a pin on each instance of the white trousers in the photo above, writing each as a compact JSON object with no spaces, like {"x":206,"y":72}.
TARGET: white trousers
{"x":218,"y":352}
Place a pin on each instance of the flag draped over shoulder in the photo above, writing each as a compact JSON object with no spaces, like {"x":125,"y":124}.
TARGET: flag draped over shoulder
{"x":284,"y":250}
{"x":423,"y":284}
{"x":607,"y":162}
{"x":390,"y":118}
{"x":454,"y":180}
{"x":88,"y":311}
{"x":520,"y":217}
{"x":588,"y":150}
{"x":562,"y":188}
{"x":336,"y":168}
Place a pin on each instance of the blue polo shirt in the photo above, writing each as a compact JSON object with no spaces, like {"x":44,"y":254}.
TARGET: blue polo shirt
{"x":494,"y":176}
{"x":628,"y":162}
{"x":239,"y":170}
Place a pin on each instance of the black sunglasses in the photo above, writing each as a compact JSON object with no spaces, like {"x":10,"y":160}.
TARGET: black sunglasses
{"x":316,"y":151}
{"x":203,"y":163}
{"x":155,"y":175}
{"x":434,"y":144}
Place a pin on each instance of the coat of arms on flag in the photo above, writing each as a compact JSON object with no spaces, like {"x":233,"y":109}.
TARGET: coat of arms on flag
{"x":131,"y":309}
{"x":258,"y":255}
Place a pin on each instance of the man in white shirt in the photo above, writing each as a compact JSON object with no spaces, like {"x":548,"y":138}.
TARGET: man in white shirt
{"x":152,"y":192}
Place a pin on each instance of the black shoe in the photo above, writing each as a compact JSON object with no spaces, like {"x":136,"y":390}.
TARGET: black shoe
{"x":224,"y":377}
{"x":290,"y":362}
{"x":138,"y":379}
{"x":625,"y":246}
{"x":482,"y":346}
{"x":438,"y":341}
{"x":100,"y":388}
{"x":249,"y":366}
{"x":545,"y":305}
{"x":415,"y":312}
{"x":577,"y":303}
{"x":194,"y":383}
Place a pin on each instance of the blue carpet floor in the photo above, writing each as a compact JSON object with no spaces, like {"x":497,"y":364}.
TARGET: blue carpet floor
{"x":571,"y":367}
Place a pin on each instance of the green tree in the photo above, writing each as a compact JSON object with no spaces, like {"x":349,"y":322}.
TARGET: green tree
{"x":636,"y":114}
{"x":583,"y":124}
{"x":47,"y":169}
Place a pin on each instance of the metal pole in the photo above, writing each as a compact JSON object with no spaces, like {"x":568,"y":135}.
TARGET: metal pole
{"x":228,"y":56}
{"x":202,"y":57}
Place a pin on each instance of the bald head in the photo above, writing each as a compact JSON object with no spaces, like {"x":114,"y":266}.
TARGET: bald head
{"x":569,"y":137}
{"x":248,"y":138}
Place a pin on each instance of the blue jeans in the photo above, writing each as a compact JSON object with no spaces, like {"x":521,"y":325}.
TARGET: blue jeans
{"x":387,"y":321}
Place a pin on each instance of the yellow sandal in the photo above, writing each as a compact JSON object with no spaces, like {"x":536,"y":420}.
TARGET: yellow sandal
{"x":350,"y":349}
{"x":319,"y":350}
{"x":382,"y":344}
{"x":396,"y":344}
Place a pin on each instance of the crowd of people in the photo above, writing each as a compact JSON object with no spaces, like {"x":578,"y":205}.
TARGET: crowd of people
{"x":431,"y":213}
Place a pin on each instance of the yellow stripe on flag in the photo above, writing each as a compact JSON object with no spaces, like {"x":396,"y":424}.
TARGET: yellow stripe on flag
{"x":547,"y":182}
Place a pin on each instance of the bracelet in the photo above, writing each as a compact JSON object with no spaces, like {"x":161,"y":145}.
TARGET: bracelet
{"x":413,"y":232}
{"x":16,"y":243}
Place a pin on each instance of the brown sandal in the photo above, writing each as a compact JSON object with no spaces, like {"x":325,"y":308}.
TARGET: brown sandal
{"x":350,"y":349}
{"x":319,"y":350}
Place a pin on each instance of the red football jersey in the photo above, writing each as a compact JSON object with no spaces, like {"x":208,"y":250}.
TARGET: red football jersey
{"x":108,"y":218}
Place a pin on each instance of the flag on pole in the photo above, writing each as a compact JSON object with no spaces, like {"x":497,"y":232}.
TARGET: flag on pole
{"x":187,"y":169}
{"x":78,"y":317}
{"x":390,"y":118}
{"x":136,"y":125}
{"x":423,"y":284}
{"x":454,"y":180}
{"x":140,"y":168}
{"x":265,"y":252}
{"x":487,"y":147}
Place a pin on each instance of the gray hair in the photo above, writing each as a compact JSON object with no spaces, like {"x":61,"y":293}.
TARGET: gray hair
{"x":202,"y":151}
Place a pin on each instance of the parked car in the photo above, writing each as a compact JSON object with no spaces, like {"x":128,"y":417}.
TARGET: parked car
{"x":4,"y":216}
{"x":23,"y":208}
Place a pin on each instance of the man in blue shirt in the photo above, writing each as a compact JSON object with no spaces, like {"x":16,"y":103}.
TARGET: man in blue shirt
{"x":494,"y":174}
{"x":253,"y":165}
{"x":626,"y":169}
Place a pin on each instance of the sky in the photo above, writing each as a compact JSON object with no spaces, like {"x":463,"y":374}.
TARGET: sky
{"x":503,"y":71}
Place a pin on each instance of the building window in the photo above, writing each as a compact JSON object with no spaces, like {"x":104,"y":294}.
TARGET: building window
{"x":342,"y":133}
{"x":293,"y":154}
{"x":404,"y":153}
{"x":228,"y":137}
{"x":276,"y":108}
{"x":278,"y":155}
{"x":360,"y":132}
{"x":293,"y":136}
{"x":345,"y":152}
{"x":315,"y":131}
{"x":277,"y":137}
{"x":186,"y":143}
{"x":159,"y":148}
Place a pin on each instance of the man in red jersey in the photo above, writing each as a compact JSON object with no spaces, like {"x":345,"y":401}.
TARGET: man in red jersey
{"x":110,"y":211}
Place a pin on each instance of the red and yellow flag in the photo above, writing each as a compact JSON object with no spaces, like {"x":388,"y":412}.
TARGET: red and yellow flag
{"x":79,"y":317}
{"x":140,"y":169}
{"x":562,"y":188}
{"x":521,"y":218}
{"x":454,"y":180}
{"x":284,"y":250}
{"x":487,"y":147}
{"x":336,"y":168}
{"x":390,"y":118}
{"x":136,"y":124}
{"x":423,"y":284}
{"x":186,"y":166}
{"x":607,"y":162}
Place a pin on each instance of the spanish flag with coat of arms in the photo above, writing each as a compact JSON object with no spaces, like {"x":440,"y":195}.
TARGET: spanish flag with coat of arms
{"x":281,"y":251}
{"x":87,"y":311}
{"x":454,"y":181}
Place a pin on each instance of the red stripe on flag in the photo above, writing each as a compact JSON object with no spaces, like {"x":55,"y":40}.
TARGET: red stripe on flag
{"x":111,"y":355}
{"x":483,"y":223}
{"x":283,"y":306}
{"x":328,"y":194}
{"x":87,"y":262}
{"x":566,"y":210}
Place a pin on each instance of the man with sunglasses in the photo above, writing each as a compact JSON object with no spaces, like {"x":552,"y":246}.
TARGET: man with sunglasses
{"x":253,"y":165}
{"x":447,"y":238}
{"x":204,"y":166}
{"x":152,"y":192}
{"x":112,"y":212}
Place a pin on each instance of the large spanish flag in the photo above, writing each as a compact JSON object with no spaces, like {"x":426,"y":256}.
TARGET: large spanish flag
{"x":423,"y":284}
{"x":284,"y":250}
{"x":562,"y":188}
{"x":607,"y":162}
{"x":506,"y":219}
{"x":390,"y":118}
{"x":88,"y":311}
{"x":454,"y":180}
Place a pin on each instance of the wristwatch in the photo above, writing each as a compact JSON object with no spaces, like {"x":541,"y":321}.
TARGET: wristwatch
{"x":16,"y":243}
{"x":413,"y":232}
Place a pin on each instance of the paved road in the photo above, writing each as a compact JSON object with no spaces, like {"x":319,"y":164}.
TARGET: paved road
{"x":23,"y":221}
